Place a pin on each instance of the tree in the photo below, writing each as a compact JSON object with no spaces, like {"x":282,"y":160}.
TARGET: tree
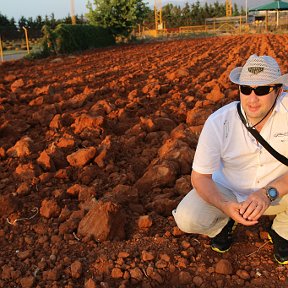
{"x":7,"y":27}
{"x":22,"y":22}
{"x":196,"y":13}
{"x":235,"y":10}
{"x":120,"y":16}
{"x":186,"y":14}
{"x":176,"y":11}
{"x":167,"y":14}
{"x":53,"y":21}
{"x":243,"y":11}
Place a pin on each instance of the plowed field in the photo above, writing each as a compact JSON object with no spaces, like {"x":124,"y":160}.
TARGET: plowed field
{"x":96,"y":150}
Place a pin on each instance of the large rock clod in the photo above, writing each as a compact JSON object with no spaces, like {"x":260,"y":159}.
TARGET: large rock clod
{"x":178,"y":151}
{"x":105,"y":221}
{"x":159,"y":175}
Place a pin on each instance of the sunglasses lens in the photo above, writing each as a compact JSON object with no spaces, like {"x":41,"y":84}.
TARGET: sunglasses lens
{"x":246,"y":90}
{"x":262,"y":90}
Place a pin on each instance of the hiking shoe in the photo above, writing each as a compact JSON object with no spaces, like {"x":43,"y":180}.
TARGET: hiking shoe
{"x":280,"y":247}
{"x":222,"y":242}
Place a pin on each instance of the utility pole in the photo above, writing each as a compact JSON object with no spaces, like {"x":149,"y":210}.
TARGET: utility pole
{"x":158,"y":15}
{"x":72,"y":12}
{"x":27,"y":39}
{"x":246,"y":12}
{"x":228,"y":8}
{"x":1,"y":50}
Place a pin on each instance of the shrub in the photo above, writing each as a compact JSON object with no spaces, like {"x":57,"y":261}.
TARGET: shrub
{"x":67,"y":38}
{"x":70,"y":38}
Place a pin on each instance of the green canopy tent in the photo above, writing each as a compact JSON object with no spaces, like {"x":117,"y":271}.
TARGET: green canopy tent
{"x":277,"y":6}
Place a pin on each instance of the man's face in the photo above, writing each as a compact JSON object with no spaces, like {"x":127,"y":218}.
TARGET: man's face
{"x":257,"y":106}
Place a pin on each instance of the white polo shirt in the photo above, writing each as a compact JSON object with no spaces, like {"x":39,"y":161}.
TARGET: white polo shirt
{"x":232,"y":155}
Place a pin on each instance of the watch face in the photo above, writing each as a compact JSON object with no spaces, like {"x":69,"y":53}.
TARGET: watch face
{"x":273,"y":193}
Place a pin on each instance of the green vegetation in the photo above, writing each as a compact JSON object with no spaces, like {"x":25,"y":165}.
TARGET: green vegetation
{"x":119,"y":16}
{"x":10,"y":29}
{"x":67,"y":38}
{"x":70,"y":38}
{"x":192,"y":14}
{"x":122,"y":16}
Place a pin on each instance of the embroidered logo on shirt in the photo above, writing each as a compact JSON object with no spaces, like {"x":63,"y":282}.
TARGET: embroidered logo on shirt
{"x":283,"y":136}
{"x":255,"y":70}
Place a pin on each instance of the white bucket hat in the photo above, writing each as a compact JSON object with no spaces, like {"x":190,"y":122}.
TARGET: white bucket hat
{"x":258,"y":71}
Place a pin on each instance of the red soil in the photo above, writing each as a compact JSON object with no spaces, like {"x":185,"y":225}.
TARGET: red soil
{"x":113,"y":132}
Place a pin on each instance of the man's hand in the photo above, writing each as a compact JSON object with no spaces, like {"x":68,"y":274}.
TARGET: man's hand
{"x":254,"y":206}
{"x":232,"y":209}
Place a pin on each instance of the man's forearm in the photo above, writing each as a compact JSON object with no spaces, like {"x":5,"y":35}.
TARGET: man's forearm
{"x":207,"y":190}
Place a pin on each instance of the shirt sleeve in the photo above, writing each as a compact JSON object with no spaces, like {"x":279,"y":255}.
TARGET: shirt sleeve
{"x":207,"y":158}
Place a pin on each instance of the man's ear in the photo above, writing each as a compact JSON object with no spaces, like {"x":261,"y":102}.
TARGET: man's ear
{"x":280,"y":90}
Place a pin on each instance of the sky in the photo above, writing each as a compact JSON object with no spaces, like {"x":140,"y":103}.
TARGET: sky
{"x":33,"y":8}
{"x":61,"y":8}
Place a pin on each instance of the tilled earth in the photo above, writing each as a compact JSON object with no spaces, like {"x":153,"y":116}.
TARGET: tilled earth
{"x":96,"y":151}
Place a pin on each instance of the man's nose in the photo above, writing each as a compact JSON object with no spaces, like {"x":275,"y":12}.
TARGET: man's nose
{"x":253,"y":97}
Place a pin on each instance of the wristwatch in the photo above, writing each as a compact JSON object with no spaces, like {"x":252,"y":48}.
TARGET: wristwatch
{"x":272,"y":193}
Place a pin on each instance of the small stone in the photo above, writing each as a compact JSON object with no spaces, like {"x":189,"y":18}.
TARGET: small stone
{"x":123,"y":254}
{"x":24,"y":255}
{"x":144,"y":222}
{"x":263,"y":235}
{"x":224,"y":267}
{"x":177,"y":232}
{"x":147,"y":256}
{"x":49,"y":208}
{"x":185,"y":244}
{"x":185,"y":278}
{"x":52,"y":275}
{"x":243,"y":274}
{"x":23,"y":189}
{"x":136,"y":273}
{"x":52,"y":258}
{"x":197,"y":280}
{"x":161,"y":264}
{"x":76,"y":269}
{"x":165,"y":257}
{"x":27,"y":282}
{"x":116,"y":273}
{"x":90,"y":283}
{"x":126,"y":275}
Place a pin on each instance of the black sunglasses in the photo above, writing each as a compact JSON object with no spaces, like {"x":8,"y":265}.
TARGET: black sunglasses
{"x":259,"y":91}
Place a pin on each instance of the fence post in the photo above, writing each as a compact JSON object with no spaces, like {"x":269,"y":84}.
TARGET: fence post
{"x":1,"y":50}
{"x":27,"y":40}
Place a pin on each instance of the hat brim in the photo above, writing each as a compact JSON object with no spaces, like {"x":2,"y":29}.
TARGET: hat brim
{"x":235,"y":78}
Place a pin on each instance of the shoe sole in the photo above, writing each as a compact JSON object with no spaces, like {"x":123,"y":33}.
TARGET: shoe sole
{"x":279,"y":262}
{"x":223,"y":251}
{"x":218,"y":250}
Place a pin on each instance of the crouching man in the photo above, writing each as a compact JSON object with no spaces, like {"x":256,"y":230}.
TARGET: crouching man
{"x":236,"y":179}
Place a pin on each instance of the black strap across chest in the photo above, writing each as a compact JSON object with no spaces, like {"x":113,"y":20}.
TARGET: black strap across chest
{"x":261,"y":140}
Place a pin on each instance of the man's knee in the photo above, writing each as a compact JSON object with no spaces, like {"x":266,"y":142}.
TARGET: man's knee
{"x":189,"y":223}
